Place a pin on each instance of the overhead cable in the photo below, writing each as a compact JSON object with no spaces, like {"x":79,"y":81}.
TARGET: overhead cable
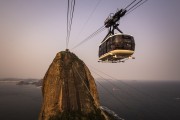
{"x":119,"y":100}
{"x":130,"y":4}
{"x":137,"y":90}
{"x":136,"y":7}
{"x":91,"y":14}
{"x":89,"y":37}
{"x":70,"y":13}
{"x":127,"y":93}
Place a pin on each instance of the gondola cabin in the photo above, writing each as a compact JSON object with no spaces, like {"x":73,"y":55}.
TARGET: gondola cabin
{"x":116,"y":47}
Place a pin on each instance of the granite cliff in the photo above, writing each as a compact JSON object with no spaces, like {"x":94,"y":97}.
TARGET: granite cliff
{"x":69,"y":91}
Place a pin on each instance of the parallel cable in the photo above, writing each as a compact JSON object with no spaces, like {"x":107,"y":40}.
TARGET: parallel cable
{"x":81,"y":77}
{"x":130,"y":95}
{"x":72,"y":8}
{"x":84,"y":84}
{"x":113,"y":78}
{"x":70,"y":13}
{"x":137,"y":90}
{"x":96,"y":104}
{"x":67,"y":24}
{"x":121,"y":82}
{"x":89,"y":17}
{"x":89,"y":37}
{"x":136,"y":7}
{"x":119,"y":100}
{"x":114,"y":85}
{"x":130,"y":4}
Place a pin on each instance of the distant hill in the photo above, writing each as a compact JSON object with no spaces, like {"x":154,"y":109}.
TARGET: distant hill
{"x":10,"y":79}
{"x":36,"y":82}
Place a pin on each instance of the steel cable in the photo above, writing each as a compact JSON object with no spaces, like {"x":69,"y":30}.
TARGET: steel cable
{"x":89,"y":37}
{"x":70,"y":13}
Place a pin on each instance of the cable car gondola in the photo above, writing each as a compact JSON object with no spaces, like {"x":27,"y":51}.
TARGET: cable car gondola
{"x":116,"y":47}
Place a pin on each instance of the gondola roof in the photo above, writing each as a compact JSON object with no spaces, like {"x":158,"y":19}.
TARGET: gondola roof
{"x":114,"y":35}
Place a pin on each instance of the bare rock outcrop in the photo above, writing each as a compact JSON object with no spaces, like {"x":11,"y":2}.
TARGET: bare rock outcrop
{"x":69,"y":91}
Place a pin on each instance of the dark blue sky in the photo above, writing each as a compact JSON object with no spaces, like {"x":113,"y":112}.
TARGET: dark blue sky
{"x":33,"y":31}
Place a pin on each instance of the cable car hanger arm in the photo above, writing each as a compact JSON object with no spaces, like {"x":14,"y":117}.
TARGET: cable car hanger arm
{"x":112,"y":20}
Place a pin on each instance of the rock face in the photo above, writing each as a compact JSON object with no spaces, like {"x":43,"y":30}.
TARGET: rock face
{"x":69,"y":91}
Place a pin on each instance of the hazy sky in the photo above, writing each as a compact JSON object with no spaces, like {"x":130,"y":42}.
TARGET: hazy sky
{"x":33,"y":31}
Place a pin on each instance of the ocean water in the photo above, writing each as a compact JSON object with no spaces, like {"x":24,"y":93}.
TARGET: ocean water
{"x":19,"y":102}
{"x":135,"y":100}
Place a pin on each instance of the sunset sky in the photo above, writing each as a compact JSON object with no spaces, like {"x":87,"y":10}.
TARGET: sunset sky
{"x":33,"y":31}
